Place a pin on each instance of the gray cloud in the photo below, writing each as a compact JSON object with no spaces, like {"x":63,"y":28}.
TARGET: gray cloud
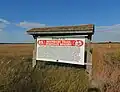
{"x":102,"y":33}
{"x":4,"y":21}
{"x":107,"y":33}
{"x":3,"y":24}
{"x":29,"y":25}
{"x":112,"y":27}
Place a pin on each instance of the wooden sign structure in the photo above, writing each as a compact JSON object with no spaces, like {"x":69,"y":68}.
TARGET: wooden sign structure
{"x":63,"y":44}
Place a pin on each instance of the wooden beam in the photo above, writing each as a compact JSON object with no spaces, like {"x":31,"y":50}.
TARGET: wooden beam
{"x":34,"y":52}
{"x":89,"y":59}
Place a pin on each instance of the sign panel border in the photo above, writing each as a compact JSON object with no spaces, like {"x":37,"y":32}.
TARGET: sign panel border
{"x":63,"y":61}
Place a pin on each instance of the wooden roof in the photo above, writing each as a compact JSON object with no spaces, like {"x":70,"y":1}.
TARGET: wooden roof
{"x":89,"y":28}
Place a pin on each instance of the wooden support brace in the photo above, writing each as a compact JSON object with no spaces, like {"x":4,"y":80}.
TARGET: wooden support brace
{"x":89,"y":60}
{"x":34,"y":59}
{"x":34,"y":53}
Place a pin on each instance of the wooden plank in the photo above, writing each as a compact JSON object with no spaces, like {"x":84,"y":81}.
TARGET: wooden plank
{"x":89,"y":60}
{"x":34,"y":52}
{"x":50,"y":33}
{"x":87,"y":27}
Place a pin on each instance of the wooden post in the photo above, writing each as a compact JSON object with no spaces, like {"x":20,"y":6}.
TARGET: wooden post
{"x":34,"y":52}
{"x":89,"y":60}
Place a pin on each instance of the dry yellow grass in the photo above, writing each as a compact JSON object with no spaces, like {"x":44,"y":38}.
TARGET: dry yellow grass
{"x":103,"y":72}
{"x":16,"y":72}
{"x":15,"y":49}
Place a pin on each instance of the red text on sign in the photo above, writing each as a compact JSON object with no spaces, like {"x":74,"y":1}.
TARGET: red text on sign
{"x":61,"y":42}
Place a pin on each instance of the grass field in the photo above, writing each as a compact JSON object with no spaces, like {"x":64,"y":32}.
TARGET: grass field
{"x":106,"y":66}
{"x":17,"y":75}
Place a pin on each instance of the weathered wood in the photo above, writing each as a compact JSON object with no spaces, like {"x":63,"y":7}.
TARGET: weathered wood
{"x":89,"y":60}
{"x":87,"y":27}
{"x":63,"y":30}
{"x":34,"y":52}
{"x":80,"y":31}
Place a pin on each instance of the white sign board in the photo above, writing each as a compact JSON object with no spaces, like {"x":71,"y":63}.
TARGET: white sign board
{"x":67,"y":50}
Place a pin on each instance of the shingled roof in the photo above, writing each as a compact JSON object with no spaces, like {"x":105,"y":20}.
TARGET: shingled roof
{"x":63,"y":29}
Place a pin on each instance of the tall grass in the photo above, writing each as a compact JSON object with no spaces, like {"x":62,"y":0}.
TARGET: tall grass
{"x":111,"y":72}
{"x":17,"y":75}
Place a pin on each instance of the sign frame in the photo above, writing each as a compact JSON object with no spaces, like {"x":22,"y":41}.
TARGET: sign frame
{"x":59,"y":60}
{"x":73,"y":31}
